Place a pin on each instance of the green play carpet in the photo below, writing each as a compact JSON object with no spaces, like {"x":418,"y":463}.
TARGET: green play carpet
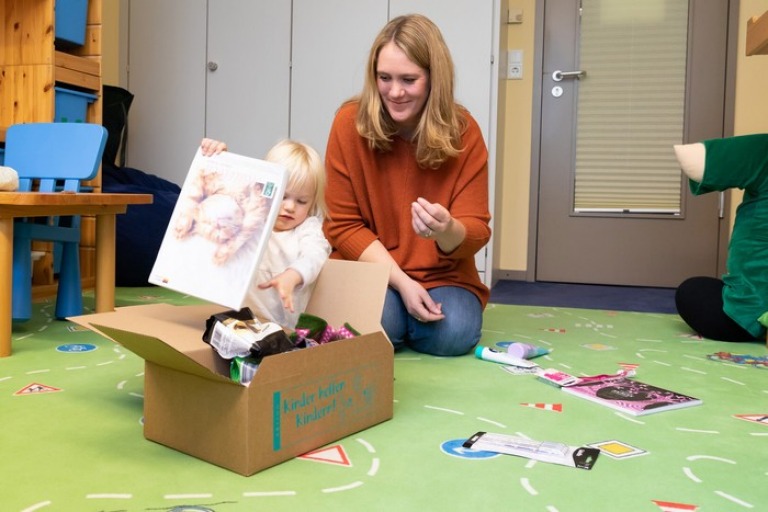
{"x":71,"y":437}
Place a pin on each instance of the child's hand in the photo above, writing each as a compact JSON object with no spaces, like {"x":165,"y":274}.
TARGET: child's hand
{"x":284,"y":283}
{"x":212,"y":147}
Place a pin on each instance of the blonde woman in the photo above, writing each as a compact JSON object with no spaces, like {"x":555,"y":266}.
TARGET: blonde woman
{"x":407,"y":184}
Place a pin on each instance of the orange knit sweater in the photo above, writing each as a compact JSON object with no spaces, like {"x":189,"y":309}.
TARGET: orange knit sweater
{"x":369,"y":196}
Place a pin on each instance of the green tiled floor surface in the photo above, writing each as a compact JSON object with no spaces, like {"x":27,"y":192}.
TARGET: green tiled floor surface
{"x":71,"y":437}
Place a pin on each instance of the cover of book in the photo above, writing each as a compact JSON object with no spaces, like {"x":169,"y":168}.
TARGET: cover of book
{"x":631,"y":396}
{"x":220,"y":227}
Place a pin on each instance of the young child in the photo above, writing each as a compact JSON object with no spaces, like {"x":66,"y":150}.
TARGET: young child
{"x":297,"y":248}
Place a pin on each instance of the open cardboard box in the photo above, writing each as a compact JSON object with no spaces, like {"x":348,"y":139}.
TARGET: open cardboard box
{"x":298,"y":401}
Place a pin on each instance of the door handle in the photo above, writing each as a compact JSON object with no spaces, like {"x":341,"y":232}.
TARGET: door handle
{"x":559,"y":75}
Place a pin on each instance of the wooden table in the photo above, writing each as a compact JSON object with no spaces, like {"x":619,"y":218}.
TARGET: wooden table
{"x":104,"y":207}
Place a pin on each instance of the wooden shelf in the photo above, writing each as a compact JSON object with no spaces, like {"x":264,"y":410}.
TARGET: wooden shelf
{"x":32,"y":64}
{"x":78,"y":71}
{"x":757,"y":35}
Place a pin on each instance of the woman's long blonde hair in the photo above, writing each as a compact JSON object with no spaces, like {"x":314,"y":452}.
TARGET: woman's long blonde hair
{"x":438,"y":134}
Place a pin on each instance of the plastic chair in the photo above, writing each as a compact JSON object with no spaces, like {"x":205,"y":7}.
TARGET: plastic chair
{"x":51,"y":157}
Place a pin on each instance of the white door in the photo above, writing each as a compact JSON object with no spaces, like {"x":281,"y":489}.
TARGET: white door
{"x":217,"y":68}
{"x":331,"y":40}
{"x":249,"y":73}
{"x":166,"y":74}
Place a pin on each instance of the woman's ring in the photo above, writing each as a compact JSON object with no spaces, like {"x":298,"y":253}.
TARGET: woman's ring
{"x":428,"y":234}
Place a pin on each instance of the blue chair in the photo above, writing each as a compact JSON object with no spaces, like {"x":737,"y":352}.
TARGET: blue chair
{"x":51,"y":157}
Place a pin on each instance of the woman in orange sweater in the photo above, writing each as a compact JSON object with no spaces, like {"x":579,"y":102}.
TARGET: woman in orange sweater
{"x":407,"y":185}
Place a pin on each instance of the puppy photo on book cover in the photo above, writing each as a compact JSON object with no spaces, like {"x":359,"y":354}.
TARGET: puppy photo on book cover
{"x":219,"y":227}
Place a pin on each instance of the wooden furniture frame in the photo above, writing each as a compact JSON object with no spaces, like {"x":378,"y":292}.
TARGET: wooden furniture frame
{"x":104,"y":207}
{"x":757,"y":35}
{"x":32,"y":64}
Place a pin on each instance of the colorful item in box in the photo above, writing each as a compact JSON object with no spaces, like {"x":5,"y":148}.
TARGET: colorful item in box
{"x":243,"y":369}
{"x":312,"y":331}
{"x":239,"y":334}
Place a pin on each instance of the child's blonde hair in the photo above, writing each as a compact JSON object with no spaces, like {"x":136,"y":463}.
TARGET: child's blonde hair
{"x":305,"y":167}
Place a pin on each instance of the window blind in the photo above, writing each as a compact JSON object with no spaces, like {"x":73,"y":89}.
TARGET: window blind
{"x":630,"y":106}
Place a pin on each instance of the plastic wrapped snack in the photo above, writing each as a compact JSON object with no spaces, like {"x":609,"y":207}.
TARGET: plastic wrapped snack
{"x":240,"y":334}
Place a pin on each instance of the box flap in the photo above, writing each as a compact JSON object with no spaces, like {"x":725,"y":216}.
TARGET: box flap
{"x":171,"y":336}
{"x":351,"y":291}
{"x":164,"y":334}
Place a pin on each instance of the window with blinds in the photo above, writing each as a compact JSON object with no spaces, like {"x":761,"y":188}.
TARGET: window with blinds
{"x":630,"y":106}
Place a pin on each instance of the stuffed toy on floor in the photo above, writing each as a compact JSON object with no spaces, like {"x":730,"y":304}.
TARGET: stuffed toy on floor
{"x":730,"y":309}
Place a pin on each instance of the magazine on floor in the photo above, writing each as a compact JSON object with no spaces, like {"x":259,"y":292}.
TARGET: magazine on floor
{"x":220,"y":227}
{"x":631,"y":396}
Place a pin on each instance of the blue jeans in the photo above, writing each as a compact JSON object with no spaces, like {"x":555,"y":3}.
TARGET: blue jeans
{"x":454,"y":335}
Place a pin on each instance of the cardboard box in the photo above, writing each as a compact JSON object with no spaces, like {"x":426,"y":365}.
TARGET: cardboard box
{"x":298,"y":401}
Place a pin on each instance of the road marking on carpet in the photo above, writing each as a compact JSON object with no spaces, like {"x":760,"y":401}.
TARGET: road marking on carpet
{"x":268,"y":494}
{"x":690,"y":474}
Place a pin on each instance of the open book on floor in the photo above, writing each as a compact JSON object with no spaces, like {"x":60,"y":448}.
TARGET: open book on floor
{"x":220,"y":227}
{"x":631,"y":396}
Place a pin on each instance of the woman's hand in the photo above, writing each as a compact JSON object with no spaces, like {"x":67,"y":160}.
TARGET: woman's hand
{"x":419,"y":303}
{"x":429,"y":219}
{"x":433,"y":220}
{"x":212,"y":147}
